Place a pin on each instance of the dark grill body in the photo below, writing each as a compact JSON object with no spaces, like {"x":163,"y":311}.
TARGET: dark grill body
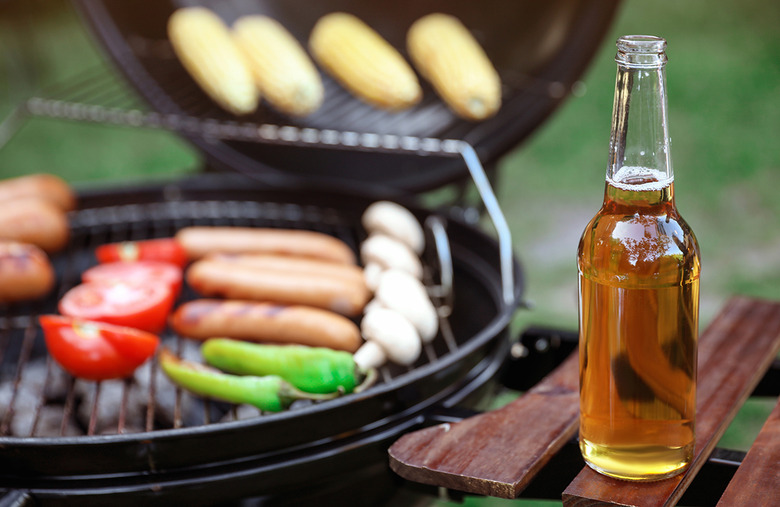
{"x":154,"y":433}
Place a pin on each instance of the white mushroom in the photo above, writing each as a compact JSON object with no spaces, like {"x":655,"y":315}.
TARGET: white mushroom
{"x":390,"y":253}
{"x":394,"y":220}
{"x":371,"y":273}
{"x":405,"y":294}
{"x":374,"y":303}
{"x":394,"y":333}
{"x":369,"y":355}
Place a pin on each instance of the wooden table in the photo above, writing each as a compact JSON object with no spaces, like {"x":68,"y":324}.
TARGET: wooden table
{"x":498,"y":453}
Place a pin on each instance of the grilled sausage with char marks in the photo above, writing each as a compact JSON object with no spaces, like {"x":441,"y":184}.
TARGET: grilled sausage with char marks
{"x":265,"y":322}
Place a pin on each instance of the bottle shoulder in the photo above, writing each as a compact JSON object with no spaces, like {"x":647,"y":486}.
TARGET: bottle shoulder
{"x":654,"y":245}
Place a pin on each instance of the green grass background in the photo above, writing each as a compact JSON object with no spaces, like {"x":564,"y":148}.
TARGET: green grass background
{"x":724,"y":99}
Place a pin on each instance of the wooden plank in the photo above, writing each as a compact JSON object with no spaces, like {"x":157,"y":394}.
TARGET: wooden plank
{"x":734,"y":353}
{"x":757,"y":481}
{"x":495,"y":453}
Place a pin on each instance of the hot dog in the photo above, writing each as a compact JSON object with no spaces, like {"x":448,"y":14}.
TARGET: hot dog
{"x":43,"y":186}
{"x":265,"y":322}
{"x":33,"y":220}
{"x":231,"y":280}
{"x":25,"y":272}
{"x":201,"y":241}
{"x":301,"y":265}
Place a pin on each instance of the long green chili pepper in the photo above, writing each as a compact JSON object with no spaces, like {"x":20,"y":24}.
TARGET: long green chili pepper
{"x":311,"y":369}
{"x":270,"y":393}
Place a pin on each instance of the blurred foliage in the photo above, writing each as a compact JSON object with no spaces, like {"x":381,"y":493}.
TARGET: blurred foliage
{"x":43,"y":46}
{"x":724,"y":100}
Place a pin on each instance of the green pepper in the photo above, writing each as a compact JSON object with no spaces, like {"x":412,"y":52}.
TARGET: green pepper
{"x":270,"y":393}
{"x":311,"y":369}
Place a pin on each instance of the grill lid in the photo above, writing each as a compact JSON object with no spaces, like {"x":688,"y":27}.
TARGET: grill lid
{"x":539,"y":48}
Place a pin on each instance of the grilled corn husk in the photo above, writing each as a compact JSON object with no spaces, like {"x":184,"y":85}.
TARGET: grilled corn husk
{"x":363,"y":62}
{"x":446,"y":54}
{"x":204,"y":45}
{"x":284,"y":73}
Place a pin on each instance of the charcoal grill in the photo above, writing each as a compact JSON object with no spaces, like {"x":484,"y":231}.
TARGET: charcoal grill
{"x":206,"y":444}
{"x":319,"y":174}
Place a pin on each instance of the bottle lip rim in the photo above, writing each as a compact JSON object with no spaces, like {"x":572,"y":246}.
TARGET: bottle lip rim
{"x":641,"y":43}
{"x":641,"y":51}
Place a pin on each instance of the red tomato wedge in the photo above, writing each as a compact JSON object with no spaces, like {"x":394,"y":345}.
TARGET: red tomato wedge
{"x":162,"y":250}
{"x":137,"y":271}
{"x":140,"y":304}
{"x":94,"y":350}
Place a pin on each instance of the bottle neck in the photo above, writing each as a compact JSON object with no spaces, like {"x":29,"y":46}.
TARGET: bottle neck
{"x":640,"y":144}
{"x":651,"y":196}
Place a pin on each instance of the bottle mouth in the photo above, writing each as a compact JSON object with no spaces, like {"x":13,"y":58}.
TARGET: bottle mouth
{"x":641,"y":51}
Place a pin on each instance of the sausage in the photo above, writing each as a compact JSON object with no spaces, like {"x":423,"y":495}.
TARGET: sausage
{"x":201,"y":241}
{"x":265,"y":322}
{"x":292,"y":264}
{"x":33,"y":220}
{"x":44,"y":186}
{"x":231,"y":280}
{"x":25,"y":272}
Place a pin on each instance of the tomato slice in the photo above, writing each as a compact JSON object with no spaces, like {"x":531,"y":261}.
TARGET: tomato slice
{"x":94,"y":350}
{"x":161,"y":249}
{"x":146,"y":271}
{"x":139,"y":304}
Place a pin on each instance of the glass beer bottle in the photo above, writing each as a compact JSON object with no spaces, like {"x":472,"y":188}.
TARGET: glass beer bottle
{"x":639,"y":266}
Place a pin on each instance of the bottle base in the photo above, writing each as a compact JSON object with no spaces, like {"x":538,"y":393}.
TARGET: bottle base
{"x":636,"y":463}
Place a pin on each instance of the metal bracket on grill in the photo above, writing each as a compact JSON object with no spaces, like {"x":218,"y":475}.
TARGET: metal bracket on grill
{"x":444,"y":289}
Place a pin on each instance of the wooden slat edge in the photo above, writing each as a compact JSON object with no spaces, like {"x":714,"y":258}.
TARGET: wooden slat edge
{"x":757,"y":481}
{"x":490,"y":454}
{"x":745,"y":327}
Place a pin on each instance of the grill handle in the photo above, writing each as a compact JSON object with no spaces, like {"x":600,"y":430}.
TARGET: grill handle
{"x":496,"y":216}
{"x":295,"y":136}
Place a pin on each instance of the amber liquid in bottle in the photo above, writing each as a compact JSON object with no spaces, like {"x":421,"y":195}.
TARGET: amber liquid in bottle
{"x":639,"y":270}
{"x":639,"y":284}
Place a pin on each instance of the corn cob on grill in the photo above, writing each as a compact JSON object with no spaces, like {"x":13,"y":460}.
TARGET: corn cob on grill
{"x":203,"y":44}
{"x":447,"y":55}
{"x":363,"y":62}
{"x":282,"y":70}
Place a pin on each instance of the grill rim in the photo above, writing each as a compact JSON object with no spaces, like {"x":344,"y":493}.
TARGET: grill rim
{"x":361,"y":447}
{"x":200,"y":185}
